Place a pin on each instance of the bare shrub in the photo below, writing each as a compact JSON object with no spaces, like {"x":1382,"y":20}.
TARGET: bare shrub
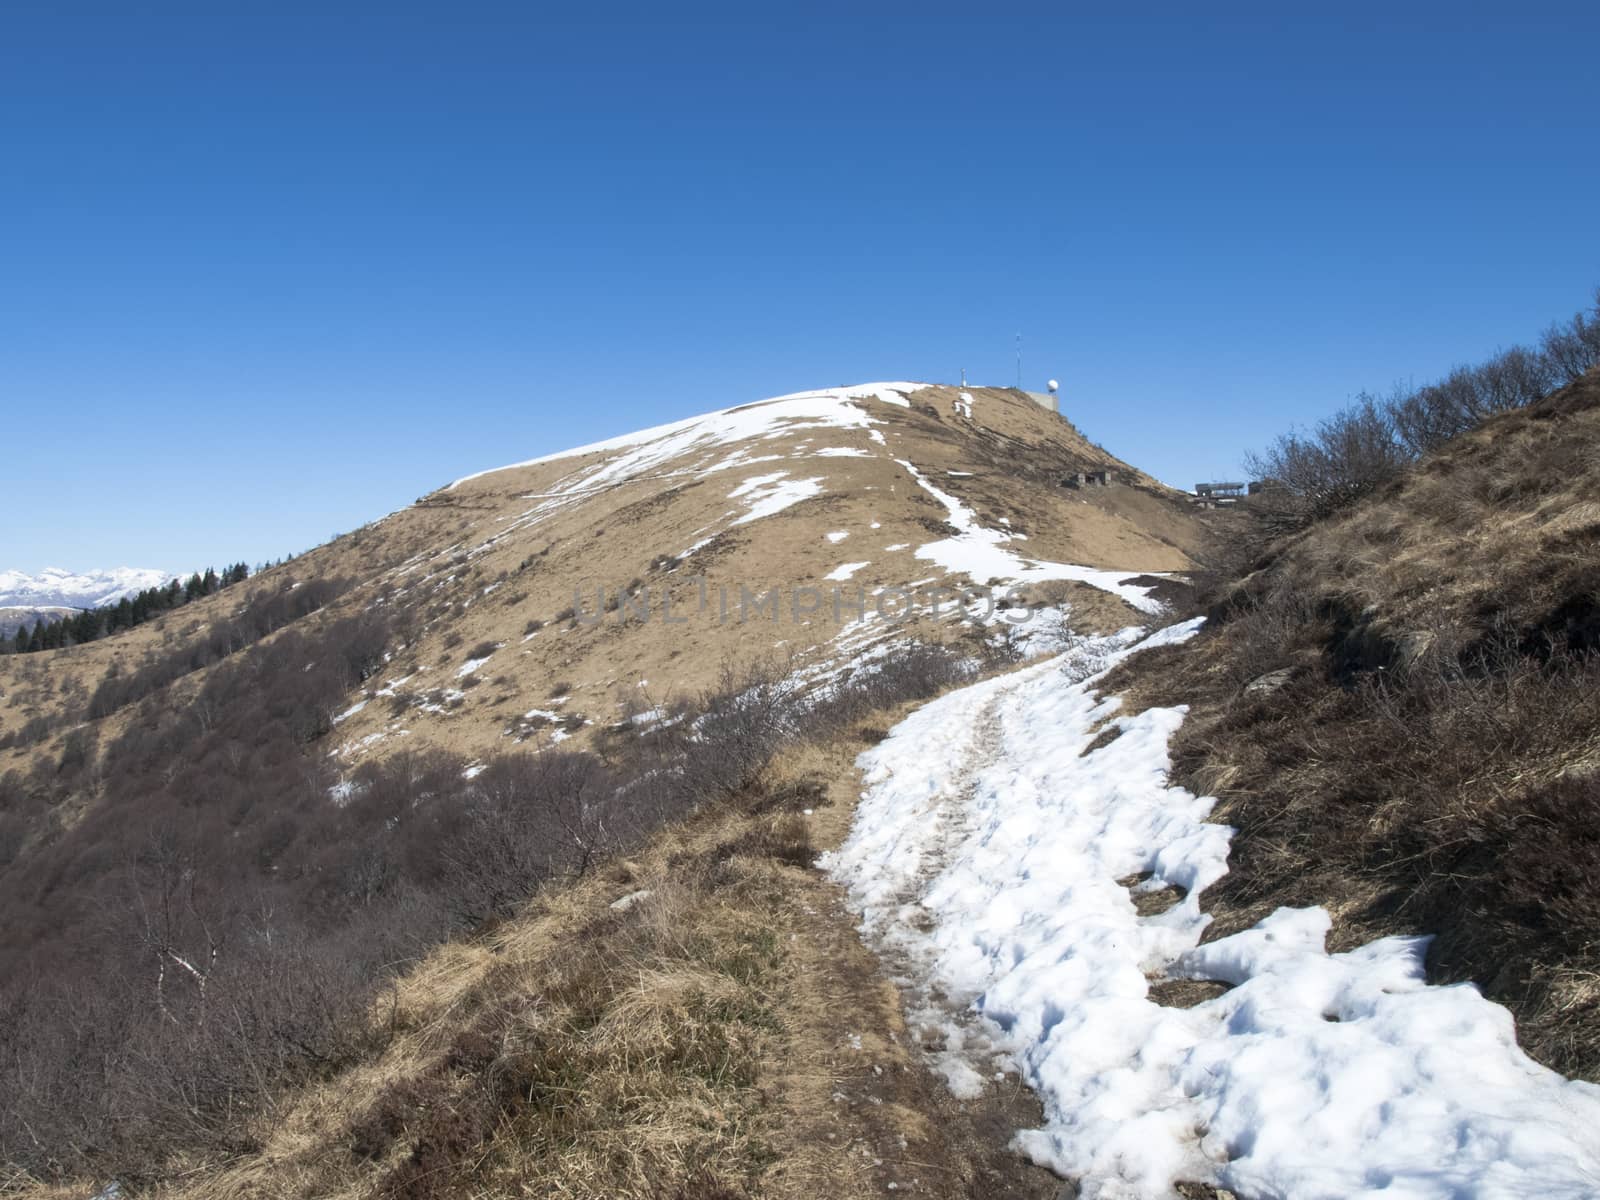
{"x":401,"y":1105}
{"x":526,"y":819}
{"x":1357,"y":450}
{"x":1573,"y":349}
{"x":1349,"y":455}
{"x":742,"y":723}
{"x":914,"y":671}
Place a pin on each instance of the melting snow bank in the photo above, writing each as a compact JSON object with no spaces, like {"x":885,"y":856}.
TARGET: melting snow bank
{"x":982,"y":554}
{"x":984,"y":863}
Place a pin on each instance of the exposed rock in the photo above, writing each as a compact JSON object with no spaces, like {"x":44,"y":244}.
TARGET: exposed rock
{"x":1272,"y":681}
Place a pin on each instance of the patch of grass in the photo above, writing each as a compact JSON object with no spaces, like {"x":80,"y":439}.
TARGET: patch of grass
{"x":623,"y":1061}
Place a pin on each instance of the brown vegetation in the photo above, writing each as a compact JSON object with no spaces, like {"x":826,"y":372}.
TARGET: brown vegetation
{"x":638,"y":1031}
{"x":185,"y":985}
{"x":1399,"y":709}
{"x":226,"y":836}
{"x":1354,"y":452}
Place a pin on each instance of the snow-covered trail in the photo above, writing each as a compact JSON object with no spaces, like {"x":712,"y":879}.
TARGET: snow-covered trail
{"x":952,"y":1037}
{"x":985,"y":863}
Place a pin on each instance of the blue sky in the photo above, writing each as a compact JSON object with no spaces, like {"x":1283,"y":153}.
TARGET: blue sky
{"x":270,"y":271}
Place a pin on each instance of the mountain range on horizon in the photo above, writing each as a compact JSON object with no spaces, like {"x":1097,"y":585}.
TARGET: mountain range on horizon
{"x":57,"y":587}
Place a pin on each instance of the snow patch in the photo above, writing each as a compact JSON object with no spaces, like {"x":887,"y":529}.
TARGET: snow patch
{"x":765,"y":495}
{"x":471,"y":665}
{"x":350,"y":712}
{"x":984,"y":862}
{"x":981,"y":555}
{"x":637,"y":452}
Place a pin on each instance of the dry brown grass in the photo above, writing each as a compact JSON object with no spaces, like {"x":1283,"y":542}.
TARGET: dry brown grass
{"x":692,"y":1043}
{"x":1430,"y":761}
{"x":575,"y":1051}
{"x":471,"y":567}
{"x":1499,"y":529}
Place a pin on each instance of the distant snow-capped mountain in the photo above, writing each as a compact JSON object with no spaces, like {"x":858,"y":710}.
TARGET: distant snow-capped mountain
{"x":57,"y":588}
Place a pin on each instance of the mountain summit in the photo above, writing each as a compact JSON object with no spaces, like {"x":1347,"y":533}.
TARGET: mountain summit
{"x":823,"y":525}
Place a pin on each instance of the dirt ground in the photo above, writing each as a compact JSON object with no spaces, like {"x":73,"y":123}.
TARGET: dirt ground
{"x":865,"y":1115}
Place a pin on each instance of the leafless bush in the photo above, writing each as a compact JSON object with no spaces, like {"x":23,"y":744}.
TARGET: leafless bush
{"x":401,"y":1105}
{"x":914,"y":671}
{"x":1573,"y":348}
{"x":99,"y":1080}
{"x":1348,"y":456}
{"x":742,"y":723}
{"x":526,"y":819}
{"x":1357,"y":450}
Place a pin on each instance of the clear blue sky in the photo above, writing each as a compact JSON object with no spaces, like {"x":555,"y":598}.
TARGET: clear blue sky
{"x":268,"y":271}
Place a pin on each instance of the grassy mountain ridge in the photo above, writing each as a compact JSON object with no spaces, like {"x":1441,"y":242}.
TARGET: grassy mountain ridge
{"x":506,"y":553}
{"x":265,"y":804}
{"x":332,"y":911}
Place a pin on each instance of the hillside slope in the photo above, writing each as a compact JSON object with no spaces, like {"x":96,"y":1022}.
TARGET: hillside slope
{"x":268,"y":802}
{"x":865,"y":489}
{"x":861,"y":488}
{"x":19,"y":616}
{"x":1156,"y":910}
{"x":1399,"y":709}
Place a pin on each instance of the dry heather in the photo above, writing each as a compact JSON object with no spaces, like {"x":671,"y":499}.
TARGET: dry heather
{"x":1400,"y":712}
{"x":695,"y":1021}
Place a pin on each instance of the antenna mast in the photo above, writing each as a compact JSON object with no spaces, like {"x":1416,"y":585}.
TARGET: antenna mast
{"x":1019,"y":362}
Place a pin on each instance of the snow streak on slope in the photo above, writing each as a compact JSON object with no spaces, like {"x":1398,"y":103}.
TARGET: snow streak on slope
{"x":57,"y":588}
{"x":767,"y":495}
{"x":784,"y":414}
{"x":694,"y":448}
{"x":982,"y":554}
{"x":984,"y":862}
